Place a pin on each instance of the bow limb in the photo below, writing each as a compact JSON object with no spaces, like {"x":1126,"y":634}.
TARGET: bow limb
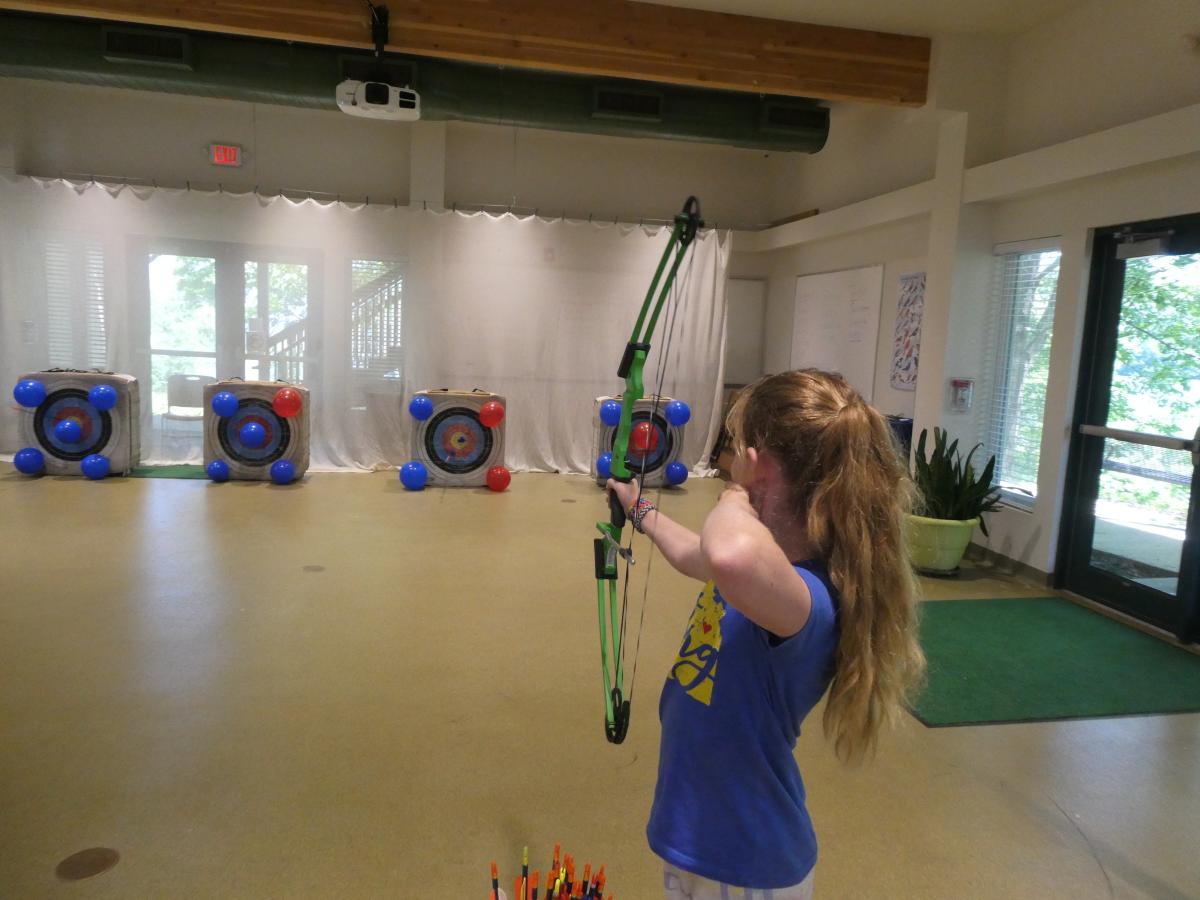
{"x":608,"y":547}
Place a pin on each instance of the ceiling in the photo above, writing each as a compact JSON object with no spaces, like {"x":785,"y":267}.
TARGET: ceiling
{"x":919,"y":17}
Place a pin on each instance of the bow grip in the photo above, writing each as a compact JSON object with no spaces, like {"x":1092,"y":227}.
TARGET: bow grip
{"x":616,"y":511}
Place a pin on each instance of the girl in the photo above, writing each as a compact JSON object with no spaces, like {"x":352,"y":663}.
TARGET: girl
{"x":807,"y":587}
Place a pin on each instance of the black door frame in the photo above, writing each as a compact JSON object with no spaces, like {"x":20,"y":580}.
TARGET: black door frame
{"x":1074,"y":571}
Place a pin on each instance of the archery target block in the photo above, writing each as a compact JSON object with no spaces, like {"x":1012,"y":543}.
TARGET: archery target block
{"x":455,"y":447}
{"x":287,"y":438}
{"x":114,"y":433}
{"x":668,"y":448}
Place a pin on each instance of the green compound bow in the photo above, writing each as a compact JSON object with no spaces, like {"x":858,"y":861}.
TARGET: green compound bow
{"x":608,"y":546}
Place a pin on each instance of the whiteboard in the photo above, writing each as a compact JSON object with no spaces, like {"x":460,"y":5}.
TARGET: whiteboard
{"x":836,"y":324}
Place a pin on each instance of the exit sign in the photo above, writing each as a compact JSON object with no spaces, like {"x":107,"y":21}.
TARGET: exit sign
{"x":225,"y":154}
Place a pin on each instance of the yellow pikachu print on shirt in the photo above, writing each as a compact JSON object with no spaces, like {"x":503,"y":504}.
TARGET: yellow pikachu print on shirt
{"x":696,"y":666}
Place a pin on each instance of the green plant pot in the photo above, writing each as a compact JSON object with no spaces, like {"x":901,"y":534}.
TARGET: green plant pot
{"x":937,"y":545}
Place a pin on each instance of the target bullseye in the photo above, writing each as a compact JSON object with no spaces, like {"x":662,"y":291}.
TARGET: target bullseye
{"x":253,"y":435}
{"x":256,"y":431}
{"x":69,"y":431}
{"x":77,"y":415}
{"x":643,"y":438}
{"x":457,"y":438}
{"x":457,"y":441}
{"x":69,"y":427}
{"x":654,"y":440}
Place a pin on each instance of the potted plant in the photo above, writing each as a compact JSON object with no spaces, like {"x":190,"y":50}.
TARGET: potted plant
{"x":952,"y":502}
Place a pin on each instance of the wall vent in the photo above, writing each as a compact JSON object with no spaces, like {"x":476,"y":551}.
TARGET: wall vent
{"x":146,"y":47}
{"x":630,"y":105}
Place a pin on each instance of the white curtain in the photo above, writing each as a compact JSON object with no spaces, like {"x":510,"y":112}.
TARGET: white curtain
{"x":361,"y":304}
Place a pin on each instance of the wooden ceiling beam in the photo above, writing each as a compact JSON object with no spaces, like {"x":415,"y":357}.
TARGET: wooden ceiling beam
{"x":612,"y":38}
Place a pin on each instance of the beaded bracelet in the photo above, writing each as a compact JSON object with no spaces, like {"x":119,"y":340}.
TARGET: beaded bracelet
{"x":638,"y":512}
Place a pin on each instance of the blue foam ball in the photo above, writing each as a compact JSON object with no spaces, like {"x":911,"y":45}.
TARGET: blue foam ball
{"x":95,"y":466}
{"x":103,"y":397}
{"x":252,"y":435}
{"x":218,"y":470}
{"x":677,"y":473}
{"x":610,"y":412}
{"x":29,"y":461}
{"x":69,"y":431}
{"x":604,"y":465}
{"x":414,"y":475}
{"x":30,"y":393}
{"x":224,"y":404}
{"x":282,"y":471}
{"x":421,"y":408}
{"x":678,"y":413}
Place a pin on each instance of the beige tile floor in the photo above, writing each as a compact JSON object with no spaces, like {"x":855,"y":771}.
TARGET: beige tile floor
{"x":340,"y":689}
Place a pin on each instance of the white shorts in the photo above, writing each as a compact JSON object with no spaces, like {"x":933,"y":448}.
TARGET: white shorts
{"x":681,"y":885}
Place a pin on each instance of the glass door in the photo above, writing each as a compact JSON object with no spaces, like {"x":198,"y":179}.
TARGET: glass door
{"x":277,"y":319}
{"x":183,"y":347}
{"x":1132,"y":520}
{"x":219,"y":310}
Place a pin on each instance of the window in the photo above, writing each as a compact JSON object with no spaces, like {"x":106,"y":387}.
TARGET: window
{"x":1020,"y":330}
{"x":76,"y":336}
{"x":376,"y":348}
{"x":276,"y":320}
{"x":228,"y":310}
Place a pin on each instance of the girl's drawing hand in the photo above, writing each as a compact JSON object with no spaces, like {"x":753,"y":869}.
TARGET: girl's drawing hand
{"x":738,"y":496}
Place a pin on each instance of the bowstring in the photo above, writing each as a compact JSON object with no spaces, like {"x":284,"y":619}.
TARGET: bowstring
{"x":679,"y":288}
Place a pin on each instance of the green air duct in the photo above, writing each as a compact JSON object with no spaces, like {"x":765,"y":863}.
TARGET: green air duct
{"x":261,"y":71}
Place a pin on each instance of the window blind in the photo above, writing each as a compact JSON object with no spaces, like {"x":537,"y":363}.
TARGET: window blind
{"x":375,"y":317}
{"x":1020,"y":330}
{"x":76,"y":327}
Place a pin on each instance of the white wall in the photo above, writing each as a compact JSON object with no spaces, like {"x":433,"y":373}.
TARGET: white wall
{"x":1102,"y":63}
{"x":900,"y":248}
{"x":51,"y":129}
{"x":606,"y":176}
{"x":875,"y":149}
{"x":746,"y":307}
{"x":965,"y":353}
{"x":85,"y":130}
{"x":968,"y":73}
{"x":871,"y":150}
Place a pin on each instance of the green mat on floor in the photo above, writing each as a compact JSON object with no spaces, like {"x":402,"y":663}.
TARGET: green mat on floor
{"x":1029,"y":660}
{"x":168,"y":472}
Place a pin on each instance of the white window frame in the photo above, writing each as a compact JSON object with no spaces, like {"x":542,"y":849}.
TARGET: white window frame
{"x":1000,"y":319}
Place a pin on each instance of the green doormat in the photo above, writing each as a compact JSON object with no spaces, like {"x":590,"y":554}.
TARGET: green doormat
{"x":168,"y":472}
{"x":1027,"y":660}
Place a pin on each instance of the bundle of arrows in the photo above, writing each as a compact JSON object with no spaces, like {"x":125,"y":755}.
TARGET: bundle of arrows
{"x":560,"y":881}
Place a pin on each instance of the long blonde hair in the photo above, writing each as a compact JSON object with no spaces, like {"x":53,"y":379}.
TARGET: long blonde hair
{"x":851,"y":491}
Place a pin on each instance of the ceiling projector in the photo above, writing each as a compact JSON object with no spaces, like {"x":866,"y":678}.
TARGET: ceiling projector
{"x":378,"y":100}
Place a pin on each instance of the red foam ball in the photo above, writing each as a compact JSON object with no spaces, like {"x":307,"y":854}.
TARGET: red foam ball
{"x":287,"y":402}
{"x":643,"y":438}
{"x":491,"y":414}
{"x":498,"y":478}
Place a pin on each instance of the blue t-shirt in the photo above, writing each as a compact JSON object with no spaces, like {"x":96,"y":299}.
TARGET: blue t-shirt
{"x":729,"y":803}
